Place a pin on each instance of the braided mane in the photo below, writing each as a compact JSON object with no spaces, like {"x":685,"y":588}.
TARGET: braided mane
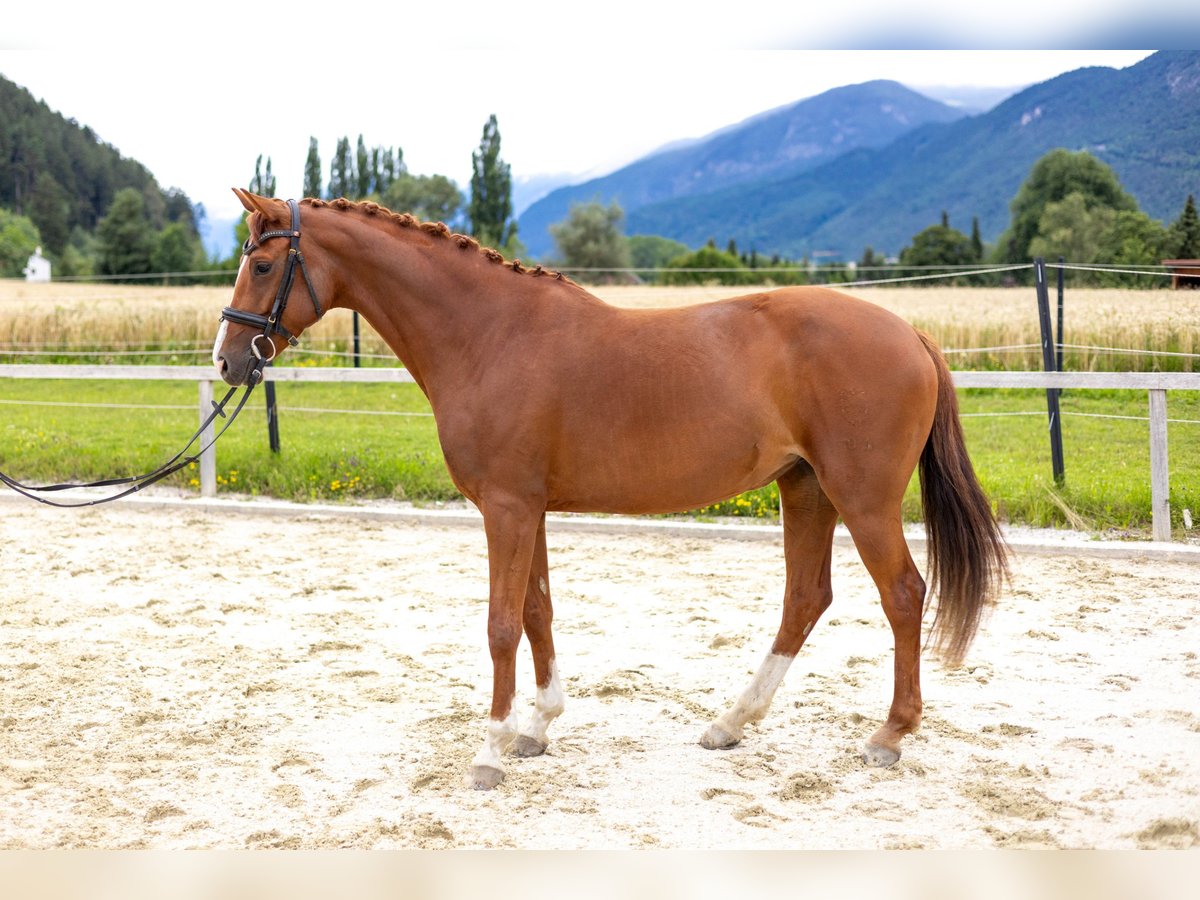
{"x":435,"y":229}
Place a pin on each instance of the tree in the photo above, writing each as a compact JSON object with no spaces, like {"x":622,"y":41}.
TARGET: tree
{"x":431,"y":197}
{"x":870,"y":264}
{"x":1184,"y":239}
{"x":262,"y":183}
{"x":50,"y":210}
{"x":392,"y":167}
{"x":939,"y":245}
{"x":711,"y":266}
{"x":1134,"y":239}
{"x":650,"y":251}
{"x":366,"y":178}
{"x":871,"y":260}
{"x":379,"y":180}
{"x":18,"y":239}
{"x":79,"y":257}
{"x":124,"y":236}
{"x":176,"y":249}
{"x":590,"y":238}
{"x":1053,"y":177}
{"x":976,"y":240}
{"x":489,"y":209}
{"x":312,"y":170}
{"x":178,"y":207}
{"x":1069,"y":228}
{"x":342,"y":182}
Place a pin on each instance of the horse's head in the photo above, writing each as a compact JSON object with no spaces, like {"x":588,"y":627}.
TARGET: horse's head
{"x":269,"y":310}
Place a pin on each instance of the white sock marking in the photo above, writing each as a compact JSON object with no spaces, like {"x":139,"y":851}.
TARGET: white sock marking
{"x":500,"y":734}
{"x":756,"y":699}
{"x":547,"y":707}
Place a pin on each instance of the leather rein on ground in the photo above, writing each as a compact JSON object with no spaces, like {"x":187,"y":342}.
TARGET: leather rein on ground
{"x":269,"y":324}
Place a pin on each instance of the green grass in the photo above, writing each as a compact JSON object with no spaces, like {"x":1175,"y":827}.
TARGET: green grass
{"x":323,"y":456}
{"x":1107,"y":461}
{"x":329,"y":456}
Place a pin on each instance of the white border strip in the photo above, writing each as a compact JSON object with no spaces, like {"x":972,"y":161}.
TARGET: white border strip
{"x":1023,"y":541}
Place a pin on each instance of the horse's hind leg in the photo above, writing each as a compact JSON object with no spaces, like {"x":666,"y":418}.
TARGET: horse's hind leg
{"x":537,"y":617}
{"x":808,"y":522}
{"x":879,"y":537}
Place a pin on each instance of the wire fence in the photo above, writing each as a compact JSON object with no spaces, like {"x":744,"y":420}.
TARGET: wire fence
{"x":847,"y":274}
{"x":341,"y":352}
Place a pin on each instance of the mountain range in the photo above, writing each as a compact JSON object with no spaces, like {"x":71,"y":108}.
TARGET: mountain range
{"x":776,"y":144}
{"x":875,"y":163}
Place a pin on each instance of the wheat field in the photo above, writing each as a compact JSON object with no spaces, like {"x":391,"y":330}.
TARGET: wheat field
{"x":1156,"y":329}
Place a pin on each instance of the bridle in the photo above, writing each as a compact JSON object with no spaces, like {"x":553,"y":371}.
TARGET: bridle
{"x":269,"y":325}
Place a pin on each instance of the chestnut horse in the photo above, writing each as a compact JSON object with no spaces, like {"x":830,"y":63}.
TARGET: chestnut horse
{"x":547,"y":398}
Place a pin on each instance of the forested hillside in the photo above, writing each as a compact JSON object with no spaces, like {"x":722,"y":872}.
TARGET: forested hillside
{"x":63,"y":177}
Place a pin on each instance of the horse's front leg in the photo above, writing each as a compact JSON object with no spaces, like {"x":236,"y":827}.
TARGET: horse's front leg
{"x":511,"y":529}
{"x":538,"y":615}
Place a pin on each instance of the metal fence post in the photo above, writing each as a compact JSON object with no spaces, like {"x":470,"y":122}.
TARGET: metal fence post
{"x":356,"y":341}
{"x":1160,"y":489}
{"x":208,"y":459}
{"x":272,"y":416}
{"x":1048,"y":363}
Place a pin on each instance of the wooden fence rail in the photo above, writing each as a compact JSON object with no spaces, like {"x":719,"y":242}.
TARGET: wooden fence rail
{"x":1156,"y":384}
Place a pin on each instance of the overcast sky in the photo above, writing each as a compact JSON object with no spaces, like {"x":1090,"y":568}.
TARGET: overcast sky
{"x":196,"y":92}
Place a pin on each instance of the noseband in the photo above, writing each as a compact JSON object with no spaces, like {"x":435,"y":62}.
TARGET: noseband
{"x":270,"y":324}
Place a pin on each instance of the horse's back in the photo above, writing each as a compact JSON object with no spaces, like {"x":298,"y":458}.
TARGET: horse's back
{"x":709,"y":400}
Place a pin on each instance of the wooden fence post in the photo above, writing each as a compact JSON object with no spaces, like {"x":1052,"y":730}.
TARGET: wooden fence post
{"x":1058,"y":356}
{"x":208,"y":459}
{"x":1160,"y":490}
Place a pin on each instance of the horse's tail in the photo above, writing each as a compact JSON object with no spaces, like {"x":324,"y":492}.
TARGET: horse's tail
{"x":967,"y":556}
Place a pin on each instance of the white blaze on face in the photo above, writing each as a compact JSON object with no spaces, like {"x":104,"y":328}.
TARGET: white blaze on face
{"x":217,"y":345}
{"x":225,"y":325}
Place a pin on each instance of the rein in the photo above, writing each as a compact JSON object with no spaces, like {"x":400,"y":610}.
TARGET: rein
{"x":136,"y":482}
{"x":268,"y":323}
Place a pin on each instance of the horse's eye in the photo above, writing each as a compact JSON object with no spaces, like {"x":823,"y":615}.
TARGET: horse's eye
{"x":262,"y":268}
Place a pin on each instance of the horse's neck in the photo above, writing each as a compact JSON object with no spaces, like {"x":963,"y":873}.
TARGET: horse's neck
{"x":433,"y":302}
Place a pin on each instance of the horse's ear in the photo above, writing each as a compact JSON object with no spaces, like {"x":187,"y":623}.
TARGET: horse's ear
{"x":270,"y":208}
{"x":244,"y":196}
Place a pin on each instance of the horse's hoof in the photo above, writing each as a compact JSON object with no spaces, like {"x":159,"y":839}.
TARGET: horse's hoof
{"x":526,"y":746}
{"x":717,"y":738}
{"x":484,"y":778}
{"x":878,"y":756}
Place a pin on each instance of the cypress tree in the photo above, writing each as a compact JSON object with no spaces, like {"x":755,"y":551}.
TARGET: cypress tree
{"x":312,"y":170}
{"x":378,"y":179}
{"x":362,"y":184}
{"x":262,"y":184}
{"x":490,"y":207}
{"x":976,"y":240}
{"x":1185,"y":233}
{"x":342,"y":181}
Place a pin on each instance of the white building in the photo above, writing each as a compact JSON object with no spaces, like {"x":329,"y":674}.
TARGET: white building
{"x":38,"y":267}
